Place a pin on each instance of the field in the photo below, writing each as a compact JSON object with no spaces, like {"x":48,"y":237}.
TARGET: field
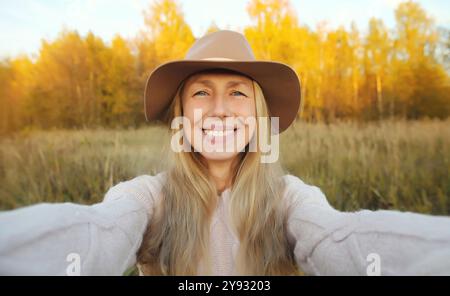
{"x":401,"y":165}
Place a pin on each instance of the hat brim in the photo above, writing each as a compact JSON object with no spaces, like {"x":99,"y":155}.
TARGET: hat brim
{"x":278,"y":81}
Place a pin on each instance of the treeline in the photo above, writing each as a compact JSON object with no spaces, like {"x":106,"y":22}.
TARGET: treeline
{"x":82,"y":81}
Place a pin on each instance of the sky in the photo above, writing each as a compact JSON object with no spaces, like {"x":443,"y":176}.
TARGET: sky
{"x":24,"y":23}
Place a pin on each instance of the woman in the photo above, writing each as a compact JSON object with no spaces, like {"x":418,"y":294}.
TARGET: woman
{"x":222,"y":206}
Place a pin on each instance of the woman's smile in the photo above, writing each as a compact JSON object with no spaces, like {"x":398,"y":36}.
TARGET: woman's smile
{"x":221,"y":134}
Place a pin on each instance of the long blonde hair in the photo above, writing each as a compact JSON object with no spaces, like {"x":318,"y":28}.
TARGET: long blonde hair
{"x":177,"y":237}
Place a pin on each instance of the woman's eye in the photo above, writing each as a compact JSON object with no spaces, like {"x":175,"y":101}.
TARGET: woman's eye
{"x":201,"y":92}
{"x":238,"y":93}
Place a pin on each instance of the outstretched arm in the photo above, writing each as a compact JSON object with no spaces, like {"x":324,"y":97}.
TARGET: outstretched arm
{"x":67,"y":238}
{"x":330,"y":242}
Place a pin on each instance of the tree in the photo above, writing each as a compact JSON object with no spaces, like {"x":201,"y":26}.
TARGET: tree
{"x":165,"y":27}
{"x":444,"y":48}
{"x":166,"y":37}
{"x":16,"y":80}
{"x":70,"y":81}
{"x":276,"y":35}
{"x":356,"y":49}
{"x":338,"y":59}
{"x":273,"y":35}
{"x":377,"y":56}
{"x":415,"y":48}
{"x":416,"y":34}
{"x":122,"y":104}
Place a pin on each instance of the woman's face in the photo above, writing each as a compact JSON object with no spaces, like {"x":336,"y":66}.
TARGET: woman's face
{"x":220,"y":108}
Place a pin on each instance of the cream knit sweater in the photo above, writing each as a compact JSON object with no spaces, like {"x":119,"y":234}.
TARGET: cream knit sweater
{"x":48,"y":239}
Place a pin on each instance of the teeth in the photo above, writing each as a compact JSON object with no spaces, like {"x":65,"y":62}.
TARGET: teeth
{"x":218,"y":133}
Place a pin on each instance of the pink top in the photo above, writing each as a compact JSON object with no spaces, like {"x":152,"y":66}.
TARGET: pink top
{"x":102,"y":239}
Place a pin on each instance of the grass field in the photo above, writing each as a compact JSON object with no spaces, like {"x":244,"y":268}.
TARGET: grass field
{"x":390,"y":165}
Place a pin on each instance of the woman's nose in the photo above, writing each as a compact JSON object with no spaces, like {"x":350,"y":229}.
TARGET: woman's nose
{"x":220,"y":107}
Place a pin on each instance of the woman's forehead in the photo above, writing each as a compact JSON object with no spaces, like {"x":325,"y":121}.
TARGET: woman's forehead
{"x":218,"y":76}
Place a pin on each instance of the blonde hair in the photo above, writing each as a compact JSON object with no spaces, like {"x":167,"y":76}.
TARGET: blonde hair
{"x":177,"y":237}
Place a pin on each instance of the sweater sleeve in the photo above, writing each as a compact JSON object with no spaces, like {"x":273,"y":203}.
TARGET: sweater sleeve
{"x":385,"y":242}
{"x":74,"y":239}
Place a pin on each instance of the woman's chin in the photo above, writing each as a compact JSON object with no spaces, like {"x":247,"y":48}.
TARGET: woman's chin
{"x":218,"y":155}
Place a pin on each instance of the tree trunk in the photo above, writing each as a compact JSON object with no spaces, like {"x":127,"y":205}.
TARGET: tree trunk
{"x":379,"y":96}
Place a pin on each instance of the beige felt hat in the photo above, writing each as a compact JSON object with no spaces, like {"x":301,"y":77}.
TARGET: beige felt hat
{"x":228,"y":50}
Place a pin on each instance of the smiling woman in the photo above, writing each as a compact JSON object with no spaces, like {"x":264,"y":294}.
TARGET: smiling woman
{"x":212,"y":173}
{"x":214,"y":212}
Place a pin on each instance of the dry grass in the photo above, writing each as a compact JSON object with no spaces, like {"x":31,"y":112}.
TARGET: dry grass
{"x":396,"y":165}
